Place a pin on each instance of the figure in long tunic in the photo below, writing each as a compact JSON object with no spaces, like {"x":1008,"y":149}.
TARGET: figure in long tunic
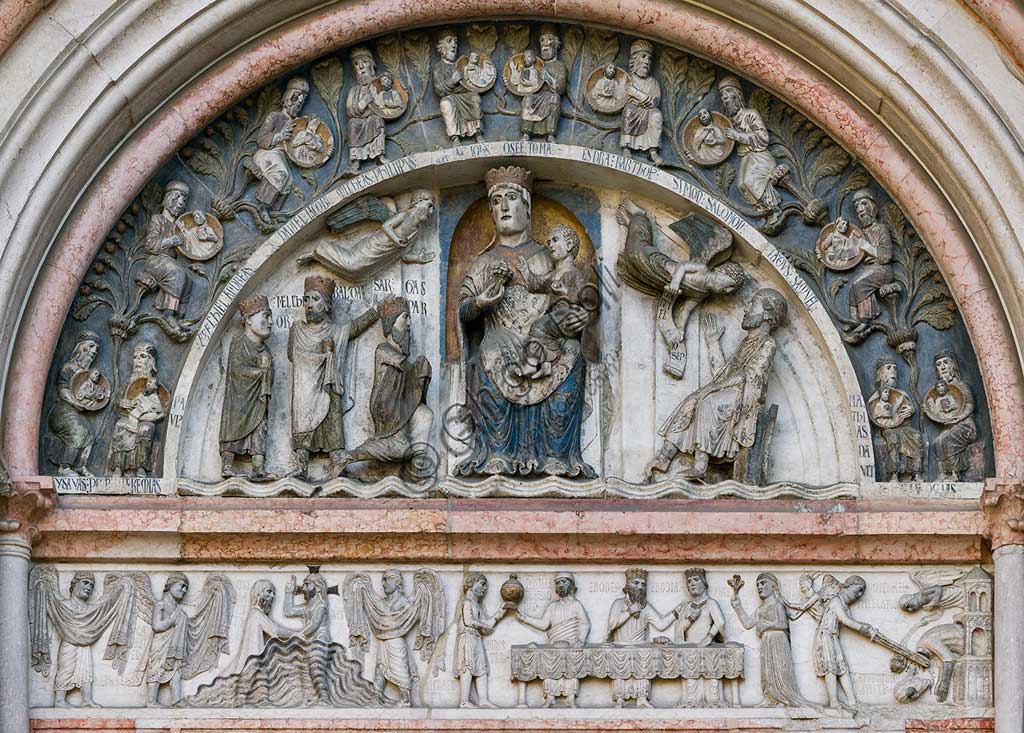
{"x":720,"y":418}
{"x":313,"y":611}
{"x":460,"y":106}
{"x":317,"y":348}
{"x":472,"y":624}
{"x":563,"y":620}
{"x":758,"y":172}
{"x":630,"y":621}
{"x":522,"y":427}
{"x":78,"y":623}
{"x":270,"y":161}
{"x":141,"y":408}
{"x":248,"y":382}
{"x":959,"y":431}
{"x":890,"y":410}
{"x":365,"y":125}
{"x":542,"y":109}
{"x":875,"y":278}
{"x":69,"y":443}
{"x":162,"y":271}
{"x":390,"y":619}
{"x":258,"y":627}
{"x":771,"y":622}
{"x":701,"y":622}
{"x":641,"y":117}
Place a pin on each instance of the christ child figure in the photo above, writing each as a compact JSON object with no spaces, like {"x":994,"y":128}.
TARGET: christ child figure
{"x":566,"y":283}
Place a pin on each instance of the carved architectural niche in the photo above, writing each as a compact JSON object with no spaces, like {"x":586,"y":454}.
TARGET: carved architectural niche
{"x":530,"y":292}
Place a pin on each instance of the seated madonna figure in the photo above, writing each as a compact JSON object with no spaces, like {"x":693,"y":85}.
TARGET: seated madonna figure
{"x":522,"y":426}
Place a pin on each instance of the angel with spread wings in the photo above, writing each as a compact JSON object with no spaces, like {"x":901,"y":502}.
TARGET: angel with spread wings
{"x":390,"y":618}
{"x":680,"y":286}
{"x":78,"y":624}
{"x":185,"y":646}
{"x":395,"y":239}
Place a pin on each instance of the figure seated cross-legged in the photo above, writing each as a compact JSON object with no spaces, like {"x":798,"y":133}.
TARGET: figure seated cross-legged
{"x":720,"y":419}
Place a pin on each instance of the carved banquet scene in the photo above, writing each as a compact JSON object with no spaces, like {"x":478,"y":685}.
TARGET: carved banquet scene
{"x":507,"y":374}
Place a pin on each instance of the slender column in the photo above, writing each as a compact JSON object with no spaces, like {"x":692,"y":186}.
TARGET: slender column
{"x":1003,"y":504}
{"x":1009,"y":638}
{"x":22,"y":505}
{"x":14,"y":633}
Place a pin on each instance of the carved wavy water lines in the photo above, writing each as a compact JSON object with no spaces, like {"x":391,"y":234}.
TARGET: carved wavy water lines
{"x":503,"y":486}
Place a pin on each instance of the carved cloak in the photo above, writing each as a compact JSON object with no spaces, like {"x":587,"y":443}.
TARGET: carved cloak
{"x":250,"y":376}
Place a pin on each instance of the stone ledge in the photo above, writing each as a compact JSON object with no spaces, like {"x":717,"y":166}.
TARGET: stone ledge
{"x":248,"y":530}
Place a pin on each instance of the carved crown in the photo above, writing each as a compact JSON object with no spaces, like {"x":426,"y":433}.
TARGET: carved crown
{"x":253,"y":305}
{"x":696,"y":573}
{"x":320,"y":284}
{"x":633,"y":573}
{"x":509,"y":175}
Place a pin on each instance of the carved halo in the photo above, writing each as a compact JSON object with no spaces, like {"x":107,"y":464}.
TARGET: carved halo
{"x":89,"y":404}
{"x":192,"y":246}
{"x":843,"y":265}
{"x":482,"y":80}
{"x":690,"y":130}
{"x":305,"y":159}
{"x":608,"y":106}
{"x":389,"y":113}
{"x":520,"y":89}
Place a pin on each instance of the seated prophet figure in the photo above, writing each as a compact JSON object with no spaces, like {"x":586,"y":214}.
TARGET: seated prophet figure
{"x":70,"y":440}
{"x":131,"y":445}
{"x":270,"y":163}
{"x":720,"y":418}
{"x":249,"y":379}
{"x":162,"y":271}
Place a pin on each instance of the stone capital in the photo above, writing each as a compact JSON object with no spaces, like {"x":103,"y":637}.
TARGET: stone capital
{"x":22,"y":505}
{"x":1002,"y":502}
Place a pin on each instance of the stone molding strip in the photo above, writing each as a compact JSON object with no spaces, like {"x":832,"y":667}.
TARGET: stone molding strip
{"x":687,"y":28}
{"x":489,"y":530}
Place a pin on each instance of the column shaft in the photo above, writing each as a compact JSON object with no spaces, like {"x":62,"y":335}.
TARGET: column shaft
{"x":14,"y":634}
{"x":1009,"y":638}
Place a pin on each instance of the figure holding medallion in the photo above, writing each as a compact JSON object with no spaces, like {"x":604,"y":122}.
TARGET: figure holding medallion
{"x":523,"y":427}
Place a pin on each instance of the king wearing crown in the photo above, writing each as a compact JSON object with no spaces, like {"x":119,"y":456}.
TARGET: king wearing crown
{"x":316,"y":349}
{"x":523,"y":427}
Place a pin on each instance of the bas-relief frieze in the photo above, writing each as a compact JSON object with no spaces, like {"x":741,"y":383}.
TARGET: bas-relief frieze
{"x":390,"y":356}
{"x":722,"y":638}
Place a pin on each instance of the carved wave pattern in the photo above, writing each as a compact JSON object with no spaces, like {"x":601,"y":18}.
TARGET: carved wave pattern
{"x":291,"y":673}
{"x":508,"y":486}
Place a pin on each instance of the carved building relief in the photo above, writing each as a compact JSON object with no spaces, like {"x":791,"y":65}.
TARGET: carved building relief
{"x":514,"y":308}
{"x":826,"y":642}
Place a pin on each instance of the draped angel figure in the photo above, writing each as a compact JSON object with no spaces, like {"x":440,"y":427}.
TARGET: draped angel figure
{"x":390,"y":618}
{"x":78,"y":624}
{"x":183,"y":646}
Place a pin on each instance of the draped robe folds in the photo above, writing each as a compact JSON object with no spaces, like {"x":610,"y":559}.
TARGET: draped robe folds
{"x":470,"y":653}
{"x":952,"y":442}
{"x":778,"y":672}
{"x":903,"y":444}
{"x":250,"y":376}
{"x":365,"y":127}
{"x":318,"y":384}
{"x":359,"y":259}
{"x":634,"y":630}
{"x":169,"y":276}
{"x":641,"y":126}
{"x":756,"y":163}
{"x":390,"y":619}
{"x":700,"y":692}
{"x":863,"y":295}
{"x":79,"y":625}
{"x":270,"y":160}
{"x":460,"y":107}
{"x":71,"y":436}
{"x":399,"y":389}
{"x":564,"y":619}
{"x":258,"y":628}
{"x":192,"y":645}
{"x":721,"y":417}
{"x":535,"y":429}
{"x":542,"y":109}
